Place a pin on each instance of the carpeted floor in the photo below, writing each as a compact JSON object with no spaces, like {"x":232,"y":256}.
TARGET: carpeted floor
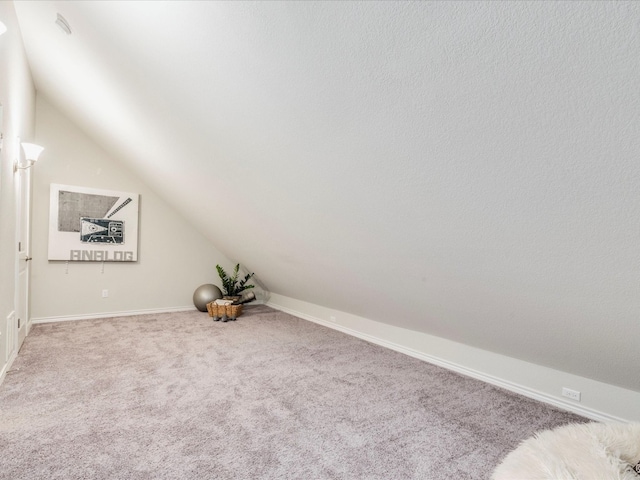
{"x":270,"y":396}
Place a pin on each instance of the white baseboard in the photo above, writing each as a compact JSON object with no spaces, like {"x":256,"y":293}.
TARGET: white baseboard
{"x":10,"y":331}
{"x":7,"y":367}
{"x":600,"y":401}
{"x":92,"y":316}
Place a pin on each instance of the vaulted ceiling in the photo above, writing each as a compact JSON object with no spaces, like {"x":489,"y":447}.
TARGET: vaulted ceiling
{"x":466,"y":169}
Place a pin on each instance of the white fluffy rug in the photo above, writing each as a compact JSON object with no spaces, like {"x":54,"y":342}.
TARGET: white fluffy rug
{"x":591,"y":451}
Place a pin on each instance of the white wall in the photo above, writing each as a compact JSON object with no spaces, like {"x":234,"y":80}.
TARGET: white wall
{"x":17,"y":96}
{"x":174,"y":258}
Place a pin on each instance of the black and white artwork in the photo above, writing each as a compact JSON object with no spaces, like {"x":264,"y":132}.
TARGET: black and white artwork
{"x":92,"y":225}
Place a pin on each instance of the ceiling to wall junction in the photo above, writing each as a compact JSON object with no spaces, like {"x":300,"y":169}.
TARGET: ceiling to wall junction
{"x":466,"y":169}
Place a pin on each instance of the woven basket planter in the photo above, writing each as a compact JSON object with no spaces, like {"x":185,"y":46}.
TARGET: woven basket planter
{"x":224,"y":312}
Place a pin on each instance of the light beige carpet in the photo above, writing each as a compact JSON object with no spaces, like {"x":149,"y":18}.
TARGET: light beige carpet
{"x":270,"y":396}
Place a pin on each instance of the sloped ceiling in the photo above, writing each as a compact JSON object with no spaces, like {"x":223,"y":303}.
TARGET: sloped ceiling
{"x":466,"y":169}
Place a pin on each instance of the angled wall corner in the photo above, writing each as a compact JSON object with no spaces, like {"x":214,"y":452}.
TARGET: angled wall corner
{"x":174,"y":258}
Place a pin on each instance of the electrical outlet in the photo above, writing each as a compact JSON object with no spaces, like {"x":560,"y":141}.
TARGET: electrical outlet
{"x":572,"y":394}
{"x":105,"y":293}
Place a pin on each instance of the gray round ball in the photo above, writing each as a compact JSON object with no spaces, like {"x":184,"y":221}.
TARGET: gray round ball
{"x":204,"y":294}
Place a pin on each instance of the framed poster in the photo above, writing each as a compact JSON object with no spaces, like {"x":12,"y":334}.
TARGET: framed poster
{"x":92,"y":225}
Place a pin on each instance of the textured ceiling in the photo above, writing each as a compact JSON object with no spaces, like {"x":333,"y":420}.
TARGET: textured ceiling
{"x":466,"y":169}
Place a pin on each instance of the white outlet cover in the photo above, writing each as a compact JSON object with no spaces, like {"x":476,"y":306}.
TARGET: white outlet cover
{"x":572,"y":394}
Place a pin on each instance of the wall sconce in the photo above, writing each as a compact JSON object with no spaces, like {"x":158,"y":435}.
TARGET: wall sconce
{"x":3,"y":28}
{"x":31,"y":154}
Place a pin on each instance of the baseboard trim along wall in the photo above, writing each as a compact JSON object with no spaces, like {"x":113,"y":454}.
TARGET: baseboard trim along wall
{"x":599,"y":401}
{"x":92,"y":316}
{"x":7,"y":367}
{"x":9,"y":339}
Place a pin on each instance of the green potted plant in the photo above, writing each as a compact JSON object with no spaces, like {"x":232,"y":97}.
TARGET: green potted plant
{"x":231,"y":286}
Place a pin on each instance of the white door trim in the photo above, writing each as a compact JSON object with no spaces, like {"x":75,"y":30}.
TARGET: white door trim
{"x":23,"y":248}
